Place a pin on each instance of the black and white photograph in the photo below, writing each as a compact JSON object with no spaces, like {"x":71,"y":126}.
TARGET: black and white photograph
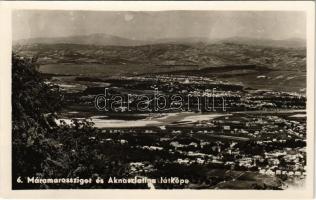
{"x":171,"y":99}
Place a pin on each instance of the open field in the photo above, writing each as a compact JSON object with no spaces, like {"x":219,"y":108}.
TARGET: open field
{"x":104,"y":70}
{"x":249,"y":76}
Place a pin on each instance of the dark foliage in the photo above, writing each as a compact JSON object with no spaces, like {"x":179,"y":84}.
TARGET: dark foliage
{"x":33,"y":106}
{"x":43,"y":149}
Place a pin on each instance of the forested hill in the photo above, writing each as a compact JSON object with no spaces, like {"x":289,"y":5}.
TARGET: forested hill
{"x":40,"y":148}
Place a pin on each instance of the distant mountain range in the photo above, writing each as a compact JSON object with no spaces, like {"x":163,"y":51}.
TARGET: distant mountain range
{"x":110,"y":40}
{"x":292,"y":42}
{"x":93,"y":39}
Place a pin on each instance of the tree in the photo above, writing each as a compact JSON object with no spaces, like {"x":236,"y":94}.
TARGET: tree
{"x":33,"y":108}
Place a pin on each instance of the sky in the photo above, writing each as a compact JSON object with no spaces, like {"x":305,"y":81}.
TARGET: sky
{"x":151,"y":25}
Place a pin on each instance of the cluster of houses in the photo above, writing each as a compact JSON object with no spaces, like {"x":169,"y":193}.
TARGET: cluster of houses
{"x":265,"y":131}
{"x":282,"y":172}
{"x":140,"y":167}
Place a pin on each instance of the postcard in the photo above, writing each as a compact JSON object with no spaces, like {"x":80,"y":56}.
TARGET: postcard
{"x":157,"y":100}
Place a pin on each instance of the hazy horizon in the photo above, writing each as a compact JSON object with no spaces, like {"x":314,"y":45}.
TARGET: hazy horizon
{"x":153,"y":25}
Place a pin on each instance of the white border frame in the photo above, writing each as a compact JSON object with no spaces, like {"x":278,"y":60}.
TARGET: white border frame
{"x":5,"y":100}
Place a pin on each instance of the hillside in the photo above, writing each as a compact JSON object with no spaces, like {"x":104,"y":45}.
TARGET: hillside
{"x":193,"y":56}
{"x":287,"y":43}
{"x":111,"y":40}
{"x":93,"y":39}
